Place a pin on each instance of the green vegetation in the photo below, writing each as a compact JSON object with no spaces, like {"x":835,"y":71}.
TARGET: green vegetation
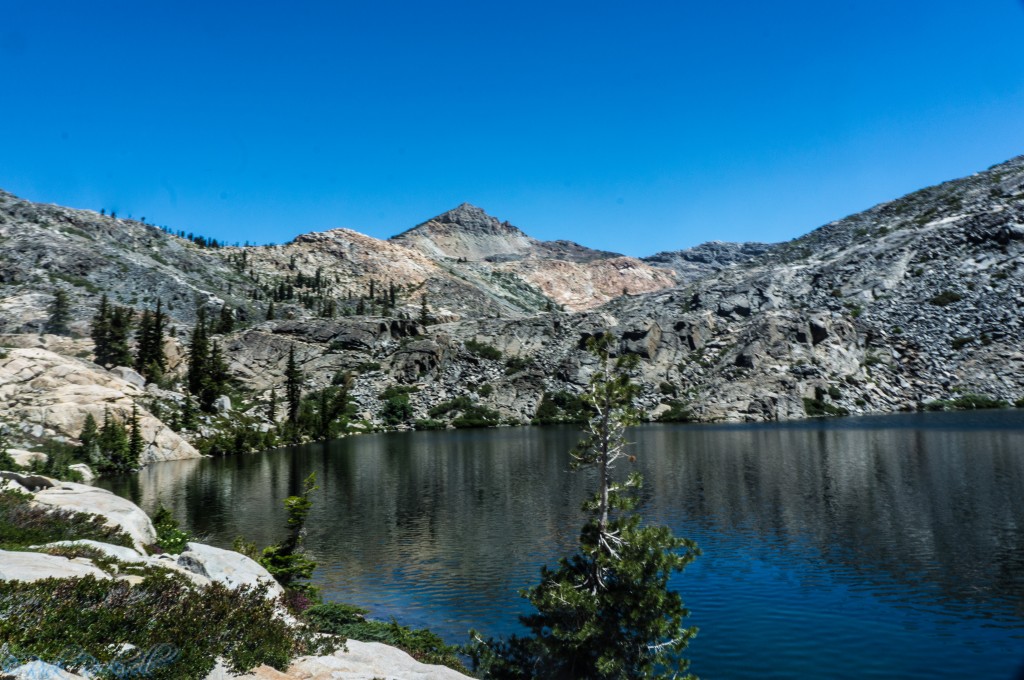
{"x":815,"y":408}
{"x":561,"y":407}
{"x":287,"y":562}
{"x":207,"y":370}
{"x":960,"y":342}
{"x":946,"y":297}
{"x":177,"y":630}
{"x":515,"y":365}
{"x":678,"y":412}
{"x":468,"y":413}
{"x":59,"y":314}
{"x":150,"y":360}
{"x":111,"y":449}
{"x":397,"y":408}
{"x":169,"y":535}
{"x":23,"y":524}
{"x":966,"y":402}
{"x":483,"y":350}
{"x":606,"y":611}
{"x":111,"y":326}
{"x":348,"y":621}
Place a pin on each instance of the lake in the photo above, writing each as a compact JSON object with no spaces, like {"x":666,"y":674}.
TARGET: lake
{"x":883,"y":547}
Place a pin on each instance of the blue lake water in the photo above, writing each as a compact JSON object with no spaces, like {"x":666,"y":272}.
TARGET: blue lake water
{"x":882,"y":547}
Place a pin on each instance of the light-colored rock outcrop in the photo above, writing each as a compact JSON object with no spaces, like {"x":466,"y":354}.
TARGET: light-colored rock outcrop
{"x":227,"y":567}
{"x":116,"y":511}
{"x":31,"y":566}
{"x":361,"y":661}
{"x":54,"y":393}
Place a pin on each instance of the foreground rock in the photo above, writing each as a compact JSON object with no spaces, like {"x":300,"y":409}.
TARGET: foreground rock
{"x":361,"y":661}
{"x":116,"y":511}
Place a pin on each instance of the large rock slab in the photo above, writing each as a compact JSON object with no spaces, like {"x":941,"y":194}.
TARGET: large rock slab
{"x":30,"y":566}
{"x":116,"y":511}
{"x":227,"y":567}
{"x":55,"y":393}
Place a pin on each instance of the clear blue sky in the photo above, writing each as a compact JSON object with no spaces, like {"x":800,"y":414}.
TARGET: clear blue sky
{"x":634,"y":127}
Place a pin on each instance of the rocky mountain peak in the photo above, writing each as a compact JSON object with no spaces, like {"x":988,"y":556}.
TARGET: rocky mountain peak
{"x":467,"y":232}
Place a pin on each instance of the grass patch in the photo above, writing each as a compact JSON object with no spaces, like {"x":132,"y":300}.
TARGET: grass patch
{"x":483,"y":350}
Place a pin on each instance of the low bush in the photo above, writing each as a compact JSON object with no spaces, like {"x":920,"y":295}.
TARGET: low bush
{"x":23,"y":524}
{"x":483,"y":350}
{"x":347,"y":622}
{"x":176,"y":631}
{"x":946,"y":297}
{"x":818,"y":408}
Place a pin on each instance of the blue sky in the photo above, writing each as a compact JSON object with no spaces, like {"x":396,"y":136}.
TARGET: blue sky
{"x":632,"y":127}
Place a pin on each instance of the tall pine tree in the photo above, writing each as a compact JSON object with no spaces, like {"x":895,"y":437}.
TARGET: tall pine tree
{"x":60,"y":314}
{"x":606,"y":612}
{"x":293,"y":387}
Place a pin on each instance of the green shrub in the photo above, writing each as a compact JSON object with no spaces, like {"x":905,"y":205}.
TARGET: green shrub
{"x":560,"y":407}
{"x":817,"y":408}
{"x":486,"y":390}
{"x":429,"y":424}
{"x":946,"y":297}
{"x":177,"y":629}
{"x":397,"y":408}
{"x":459,"y":403}
{"x":678,"y":412}
{"x":483,"y":350}
{"x":959,"y":342}
{"x":477,"y":416}
{"x":22,"y":524}
{"x":169,"y":535}
{"x":966,"y":402}
{"x":348,"y":621}
{"x":515,"y":365}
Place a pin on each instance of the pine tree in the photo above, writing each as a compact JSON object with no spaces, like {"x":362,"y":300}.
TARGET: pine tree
{"x":113,"y":445}
{"x":60,"y":314}
{"x":100,"y":332}
{"x":272,"y":406}
{"x":286,"y":561}
{"x":89,"y":441}
{"x":270,"y":311}
{"x":136,"y":445}
{"x":120,"y":328}
{"x":605,"y":612}
{"x":226,"y":321}
{"x":424,"y":315}
{"x":214,"y":380}
{"x":198,"y":354}
{"x":293,"y":387}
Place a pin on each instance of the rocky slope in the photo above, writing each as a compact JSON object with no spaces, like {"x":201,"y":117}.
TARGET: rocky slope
{"x":913,"y":301}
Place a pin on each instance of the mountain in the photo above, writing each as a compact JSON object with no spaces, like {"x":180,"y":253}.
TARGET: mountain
{"x":915,"y":303}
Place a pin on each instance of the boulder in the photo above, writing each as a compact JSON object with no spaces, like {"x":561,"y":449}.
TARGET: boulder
{"x":227,"y":567}
{"x":84,"y":470}
{"x":30,"y":566}
{"x":37,"y":670}
{"x":129,"y":376}
{"x":117,"y":511}
{"x":53,"y":393}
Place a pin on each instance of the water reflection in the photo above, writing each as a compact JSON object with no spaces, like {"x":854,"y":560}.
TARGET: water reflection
{"x":912,"y":525}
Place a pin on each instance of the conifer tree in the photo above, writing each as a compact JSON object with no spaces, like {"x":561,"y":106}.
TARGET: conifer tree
{"x":270,"y":312}
{"x":198,"y":354}
{"x":117,"y":337}
{"x":100,"y":331}
{"x":226,"y":321}
{"x":424,"y":316}
{"x":272,"y":406}
{"x":136,"y":445}
{"x":606,"y":611}
{"x":113,"y":445}
{"x":293,"y":387}
{"x":150,"y":360}
{"x":89,"y":441}
{"x":60,"y":314}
